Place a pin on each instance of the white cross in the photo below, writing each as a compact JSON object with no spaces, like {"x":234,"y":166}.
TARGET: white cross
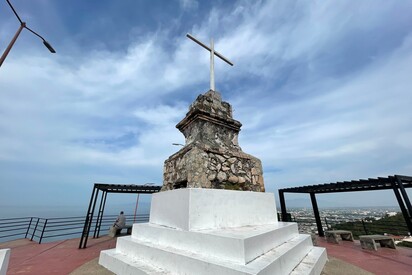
{"x":212,"y":58}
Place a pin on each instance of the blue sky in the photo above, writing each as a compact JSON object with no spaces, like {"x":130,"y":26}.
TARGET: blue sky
{"x":322,"y":88}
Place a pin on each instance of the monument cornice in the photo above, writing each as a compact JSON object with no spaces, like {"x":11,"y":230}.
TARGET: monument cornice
{"x":197,"y":114}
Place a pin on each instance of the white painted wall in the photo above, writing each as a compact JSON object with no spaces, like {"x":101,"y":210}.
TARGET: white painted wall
{"x":200,"y":208}
{"x":4,"y":260}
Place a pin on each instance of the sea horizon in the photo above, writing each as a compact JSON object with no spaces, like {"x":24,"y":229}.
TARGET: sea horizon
{"x":60,"y":211}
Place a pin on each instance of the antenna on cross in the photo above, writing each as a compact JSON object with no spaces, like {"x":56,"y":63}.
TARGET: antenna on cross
{"x":212,"y":59}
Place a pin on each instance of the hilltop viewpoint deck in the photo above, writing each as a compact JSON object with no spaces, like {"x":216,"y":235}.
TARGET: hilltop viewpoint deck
{"x":64,"y":257}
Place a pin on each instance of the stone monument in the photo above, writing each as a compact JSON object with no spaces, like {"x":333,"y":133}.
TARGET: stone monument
{"x":208,"y":220}
{"x":212,"y":157}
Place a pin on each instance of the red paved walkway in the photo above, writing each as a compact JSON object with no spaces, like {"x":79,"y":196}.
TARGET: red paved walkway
{"x":385,"y":261}
{"x":61,"y":257}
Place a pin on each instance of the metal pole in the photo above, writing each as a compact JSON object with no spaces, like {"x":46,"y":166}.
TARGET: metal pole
{"x":212,"y":65}
{"x":135,"y":209}
{"x":28,"y":228}
{"x":282,"y":205}
{"x":35,"y":228}
{"x":44,"y":227}
{"x":6,"y":52}
{"x":104,"y":204}
{"x":317,"y":216}
{"x":86,"y":221}
{"x":91,"y":218}
{"x":137,"y":201}
{"x":98,"y":216}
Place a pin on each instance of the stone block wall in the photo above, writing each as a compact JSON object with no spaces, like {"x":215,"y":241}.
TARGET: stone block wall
{"x":212,"y":157}
{"x":199,"y":167}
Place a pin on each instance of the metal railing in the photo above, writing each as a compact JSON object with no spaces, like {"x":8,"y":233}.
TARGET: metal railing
{"x":50,"y":229}
{"x":358,"y":226}
{"x":367,"y":227}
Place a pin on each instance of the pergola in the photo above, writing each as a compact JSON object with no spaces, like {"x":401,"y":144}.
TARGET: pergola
{"x":109,"y":188}
{"x":397,"y":183}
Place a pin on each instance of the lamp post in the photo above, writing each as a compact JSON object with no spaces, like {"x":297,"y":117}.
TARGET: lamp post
{"x":22,"y":26}
{"x":137,"y":202}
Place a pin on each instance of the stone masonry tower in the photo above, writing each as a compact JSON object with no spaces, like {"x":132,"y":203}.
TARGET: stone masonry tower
{"x":211,"y":157}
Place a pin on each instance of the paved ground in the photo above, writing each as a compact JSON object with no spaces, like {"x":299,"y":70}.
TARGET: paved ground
{"x":385,"y":261}
{"x":64,"y":257}
{"x":338,"y":267}
{"x":61,"y":257}
{"x":91,"y":268}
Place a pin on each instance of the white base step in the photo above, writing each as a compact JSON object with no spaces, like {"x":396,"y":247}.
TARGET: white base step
{"x":122,"y":264}
{"x":239,"y":245}
{"x":207,"y":231}
{"x":313,"y":262}
{"x":148,"y":259}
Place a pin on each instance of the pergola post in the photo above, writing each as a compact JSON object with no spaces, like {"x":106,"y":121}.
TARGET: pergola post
{"x":100,"y":215}
{"x":86,"y":222}
{"x":108,"y":188}
{"x":404,"y":195}
{"x":282,"y":205}
{"x":89,"y":217}
{"x":317,"y":216}
{"x":402,"y":207}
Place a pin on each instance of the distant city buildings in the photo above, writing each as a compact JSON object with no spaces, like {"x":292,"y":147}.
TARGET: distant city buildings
{"x":306,"y":221}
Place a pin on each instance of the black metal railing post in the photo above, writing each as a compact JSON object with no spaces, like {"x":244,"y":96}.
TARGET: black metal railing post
{"x":28,"y":228}
{"x":42,"y":232}
{"x":35,"y":228}
{"x":39,"y":229}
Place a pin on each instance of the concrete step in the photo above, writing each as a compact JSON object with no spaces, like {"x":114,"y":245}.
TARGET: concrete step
{"x":284,"y":258}
{"x":122,"y":264}
{"x":240,"y":245}
{"x":280,"y":260}
{"x":313,"y":262}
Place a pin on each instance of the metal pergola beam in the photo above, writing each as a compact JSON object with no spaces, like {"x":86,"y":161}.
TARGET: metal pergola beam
{"x":355,"y":185}
{"x":398,"y":183}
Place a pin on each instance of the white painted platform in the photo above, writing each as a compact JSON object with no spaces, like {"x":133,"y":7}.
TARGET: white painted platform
{"x":4,"y":260}
{"x":235,"y":232}
{"x":200,"y":208}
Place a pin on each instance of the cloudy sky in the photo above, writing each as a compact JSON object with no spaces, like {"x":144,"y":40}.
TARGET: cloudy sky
{"x":322,"y":88}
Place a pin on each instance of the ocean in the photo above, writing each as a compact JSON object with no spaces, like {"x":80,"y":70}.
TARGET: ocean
{"x":61,"y":211}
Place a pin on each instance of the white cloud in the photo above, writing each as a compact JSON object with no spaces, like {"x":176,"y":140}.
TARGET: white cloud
{"x":189,"y":5}
{"x":309,"y":112}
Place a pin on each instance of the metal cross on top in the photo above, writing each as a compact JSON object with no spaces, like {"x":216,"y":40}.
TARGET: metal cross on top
{"x":212,"y":58}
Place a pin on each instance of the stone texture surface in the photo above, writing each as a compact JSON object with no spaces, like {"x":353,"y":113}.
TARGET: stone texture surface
{"x":212,"y":157}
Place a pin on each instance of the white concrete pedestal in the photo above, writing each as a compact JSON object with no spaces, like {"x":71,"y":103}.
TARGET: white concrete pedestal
{"x":4,"y":260}
{"x":210,"y":231}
